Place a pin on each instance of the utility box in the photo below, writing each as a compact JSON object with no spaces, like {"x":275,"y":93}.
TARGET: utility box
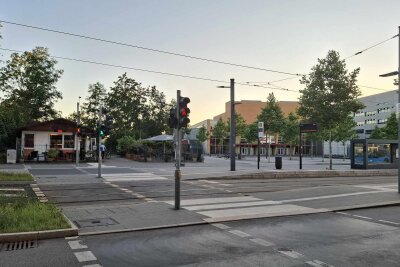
{"x":11,"y":156}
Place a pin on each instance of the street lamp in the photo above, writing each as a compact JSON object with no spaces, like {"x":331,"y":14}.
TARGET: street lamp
{"x":232,"y":138}
{"x":393,"y":73}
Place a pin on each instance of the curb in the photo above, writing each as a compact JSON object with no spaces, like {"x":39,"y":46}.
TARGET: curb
{"x":40,"y":235}
{"x":303,"y":174}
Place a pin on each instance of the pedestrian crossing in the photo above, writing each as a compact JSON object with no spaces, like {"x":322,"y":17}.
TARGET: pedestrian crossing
{"x":126,"y":177}
{"x":241,"y":207}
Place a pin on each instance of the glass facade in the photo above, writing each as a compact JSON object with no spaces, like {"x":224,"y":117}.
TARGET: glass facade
{"x":358,"y":154}
{"x":379,"y":153}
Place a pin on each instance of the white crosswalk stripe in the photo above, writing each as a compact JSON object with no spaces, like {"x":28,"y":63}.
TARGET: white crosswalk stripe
{"x":126,"y":177}
{"x":240,"y":207}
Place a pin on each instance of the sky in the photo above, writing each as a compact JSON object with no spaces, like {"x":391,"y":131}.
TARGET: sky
{"x":282,"y":35}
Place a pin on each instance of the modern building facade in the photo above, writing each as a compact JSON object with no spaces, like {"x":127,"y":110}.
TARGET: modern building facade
{"x":249,"y":110}
{"x":376,"y":112}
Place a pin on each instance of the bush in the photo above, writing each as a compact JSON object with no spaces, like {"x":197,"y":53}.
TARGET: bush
{"x":53,"y":153}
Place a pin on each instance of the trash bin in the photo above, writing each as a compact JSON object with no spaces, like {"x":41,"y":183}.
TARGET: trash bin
{"x":278,"y":163}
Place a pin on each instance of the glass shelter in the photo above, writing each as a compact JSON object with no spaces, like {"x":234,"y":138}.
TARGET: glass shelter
{"x":373,"y":154}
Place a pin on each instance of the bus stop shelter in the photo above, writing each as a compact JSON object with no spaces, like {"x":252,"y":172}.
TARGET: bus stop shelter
{"x":373,"y":154}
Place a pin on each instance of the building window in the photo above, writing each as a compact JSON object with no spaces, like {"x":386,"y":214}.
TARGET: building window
{"x":370,"y":121}
{"x":359,"y":114}
{"x":360,"y":123}
{"x":56,"y":141}
{"x":382,"y":121}
{"x":68,"y":141}
{"x":29,"y":140}
{"x":370,"y":113}
{"x":368,"y":131}
{"x":384,"y":110}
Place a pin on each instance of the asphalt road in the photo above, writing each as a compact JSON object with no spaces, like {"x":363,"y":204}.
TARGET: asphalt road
{"x":329,"y":239}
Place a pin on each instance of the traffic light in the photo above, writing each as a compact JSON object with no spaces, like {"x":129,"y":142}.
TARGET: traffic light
{"x":172,"y":120}
{"x":102,"y":131}
{"x":108,"y":124}
{"x":78,"y":131}
{"x":183,"y":112}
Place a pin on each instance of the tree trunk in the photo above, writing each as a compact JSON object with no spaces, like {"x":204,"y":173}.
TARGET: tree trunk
{"x":323,"y":150}
{"x":344,"y":151}
{"x":330,"y":150}
{"x":290,"y":151}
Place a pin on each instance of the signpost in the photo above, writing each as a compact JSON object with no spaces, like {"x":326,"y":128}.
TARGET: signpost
{"x":260,"y":135}
{"x":305,"y":128}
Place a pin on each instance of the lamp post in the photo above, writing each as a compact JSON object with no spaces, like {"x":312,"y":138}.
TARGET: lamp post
{"x":393,"y":73}
{"x":232,"y":138}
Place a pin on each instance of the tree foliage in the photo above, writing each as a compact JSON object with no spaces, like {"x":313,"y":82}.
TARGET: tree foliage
{"x":28,"y":82}
{"x":90,"y":108}
{"x":251,"y":132}
{"x":272,"y":116}
{"x":291,"y":131}
{"x":240,"y":125}
{"x":330,"y":94}
{"x":389,"y":131}
{"x":203,"y":134}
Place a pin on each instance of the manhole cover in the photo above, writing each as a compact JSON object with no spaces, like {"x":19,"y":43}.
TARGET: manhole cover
{"x":18,"y":245}
{"x":95,"y":222}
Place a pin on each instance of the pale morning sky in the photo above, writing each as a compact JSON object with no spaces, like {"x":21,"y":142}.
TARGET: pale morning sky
{"x":282,"y":35}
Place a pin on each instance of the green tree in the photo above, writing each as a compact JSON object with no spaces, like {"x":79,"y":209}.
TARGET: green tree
{"x":377,"y":133}
{"x":240,"y":125}
{"x":28,"y":82}
{"x":390,"y":129}
{"x":219,"y":132}
{"x":251,"y":132}
{"x":90,"y":108}
{"x":344,"y":131}
{"x":330,"y":94}
{"x":272,"y":116}
{"x":203,"y":134}
{"x":291,"y":131}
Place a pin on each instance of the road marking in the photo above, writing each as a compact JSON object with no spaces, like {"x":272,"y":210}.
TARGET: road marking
{"x":330,"y":196}
{"x":291,"y":253}
{"x":123,"y":177}
{"x":200,"y":201}
{"x":274,"y":210}
{"x":76,"y":245}
{"x":343,"y":213}
{"x":85,"y":256}
{"x":232,"y":205}
{"x":71,"y":237}
{"x":239,"y":233}
{"x":362,"y":217}
{"x":317,"y":263}
{"x":395,"y":223}
{"x":262,"y":242}
{"x":93,"y":265}
{"x":221,"y":226}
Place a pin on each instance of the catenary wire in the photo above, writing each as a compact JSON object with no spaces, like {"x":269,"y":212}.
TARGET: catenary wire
{"x":370,"y":47}
{"x":147,"y":48}
{"x":152,"y":71}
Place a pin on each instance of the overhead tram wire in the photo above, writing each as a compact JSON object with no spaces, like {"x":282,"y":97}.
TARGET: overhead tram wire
{"x":375,"y":45}
{"x":147,"y":48}
{"x":149,"y":71}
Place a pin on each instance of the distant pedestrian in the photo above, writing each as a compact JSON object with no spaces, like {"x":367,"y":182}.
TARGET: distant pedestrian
{"x":103,"y":150}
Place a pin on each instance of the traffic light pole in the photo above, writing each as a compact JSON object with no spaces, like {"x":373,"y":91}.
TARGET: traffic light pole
{"x":178,"y":155}
{"x":98,"y":145}
{"x":398,"y":120}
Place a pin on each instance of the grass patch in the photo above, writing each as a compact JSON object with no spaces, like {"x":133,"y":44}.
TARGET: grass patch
{"x":21,"y":214}
{"x":12,"y":176}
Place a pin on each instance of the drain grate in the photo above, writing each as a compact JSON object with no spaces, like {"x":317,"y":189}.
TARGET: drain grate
{"x":95,"y":222}
{"x":18,"y":245}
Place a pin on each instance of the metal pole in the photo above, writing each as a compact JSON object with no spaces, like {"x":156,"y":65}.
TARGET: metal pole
{"x":398,"y":120}
{"x":98,"y":145}
{"x":258,"y":153}
{"x":77,"y":143}
{"x":178,"y":156}
{"x":300,"y":156}
{"x":232,"y":139}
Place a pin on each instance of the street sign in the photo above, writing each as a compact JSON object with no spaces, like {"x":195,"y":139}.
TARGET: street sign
{"x":260,"y":129}
{"x":308,"y":127}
